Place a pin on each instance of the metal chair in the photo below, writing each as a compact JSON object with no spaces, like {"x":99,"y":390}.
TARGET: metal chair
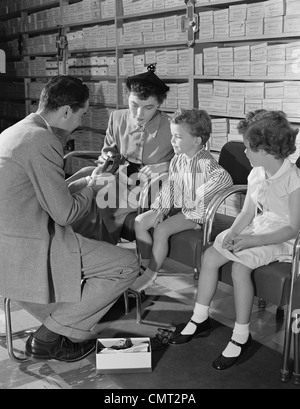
{"x":292,"y":327}
{"x":10,"y":335}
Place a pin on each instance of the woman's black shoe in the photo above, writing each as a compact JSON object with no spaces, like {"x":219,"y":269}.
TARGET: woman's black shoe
{"x":223,"y":362}
{"x":203,"y":329}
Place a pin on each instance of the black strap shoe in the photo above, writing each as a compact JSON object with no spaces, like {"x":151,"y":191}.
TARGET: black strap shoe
{"x":203,"y":329}
{"x":62,"y":349}
{"x":223,"y":362}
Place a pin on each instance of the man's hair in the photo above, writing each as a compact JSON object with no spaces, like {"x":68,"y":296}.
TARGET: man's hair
{"x":273,"y":133}
{"x":198,"y":121}
{"x":64,"y":90}
{"x":145,"y":89}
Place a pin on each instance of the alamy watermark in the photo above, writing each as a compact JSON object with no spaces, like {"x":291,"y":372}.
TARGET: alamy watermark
{"x":2,"y":62}
{"x":122,"y":192}
{"x":296,"y":323}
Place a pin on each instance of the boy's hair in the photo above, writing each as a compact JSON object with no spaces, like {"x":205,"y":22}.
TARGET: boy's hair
{"x":273,"y":133}
{"x":64,"y":90}
{"x":250,"y":118}
{"x":198,"y":121}
{"x":145,"y":89}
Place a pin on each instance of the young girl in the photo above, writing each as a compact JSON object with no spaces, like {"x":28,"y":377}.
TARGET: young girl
{"x":194,"y":178}
{"x":262,"y":233}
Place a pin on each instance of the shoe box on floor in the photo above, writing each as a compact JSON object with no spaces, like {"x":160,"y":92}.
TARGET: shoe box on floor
{"x":135,"y":357}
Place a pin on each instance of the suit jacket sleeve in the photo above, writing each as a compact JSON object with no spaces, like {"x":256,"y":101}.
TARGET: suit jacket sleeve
{"x":45,"y":171}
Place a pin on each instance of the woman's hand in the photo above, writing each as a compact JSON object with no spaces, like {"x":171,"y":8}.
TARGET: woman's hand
{"x":158,"y":168}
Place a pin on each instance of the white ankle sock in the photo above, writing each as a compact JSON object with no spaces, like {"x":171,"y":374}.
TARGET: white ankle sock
{"x":240,"y":334}
{"x":200,"y":314}
{"x":145,"y":280}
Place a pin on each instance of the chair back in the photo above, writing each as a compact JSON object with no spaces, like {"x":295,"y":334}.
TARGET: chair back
{"x":233,"y":159}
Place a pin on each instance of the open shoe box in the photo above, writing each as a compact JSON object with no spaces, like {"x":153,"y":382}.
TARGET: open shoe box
{"x":130,"y":360}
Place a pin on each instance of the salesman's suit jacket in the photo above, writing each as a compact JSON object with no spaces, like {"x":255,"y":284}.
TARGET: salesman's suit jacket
{"x":39,"y":251}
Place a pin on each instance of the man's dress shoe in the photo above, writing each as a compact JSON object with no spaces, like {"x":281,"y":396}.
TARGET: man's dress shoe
{"x":62,"y":349}
{"x":203,"y":329}
{"x":223,"y":362}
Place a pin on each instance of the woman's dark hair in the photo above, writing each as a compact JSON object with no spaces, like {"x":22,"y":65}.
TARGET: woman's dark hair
{"x":273,"y":133}
{"x":64,"y":90}
{"x":145,"y":89}
{"x":198,"y":121}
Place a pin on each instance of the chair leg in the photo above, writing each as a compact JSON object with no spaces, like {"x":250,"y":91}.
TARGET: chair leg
{"x":139,"y":311}
{"x":9,"y":335}
{"x":126,"y":301}
{"x":280,"y":313}
{"x":284,"y":371}
{"x":261,"y":303}
{"x":296,"y":330}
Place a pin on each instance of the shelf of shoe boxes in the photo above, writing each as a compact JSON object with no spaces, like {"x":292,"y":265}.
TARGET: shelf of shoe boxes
{"x":91,"y":55}
{"x":253,"y":63}
{"x":38,"y":50}
{"x":94,"y":53}
{"x":12,"y":106}
{"x":40,"y":21}
{"x":156,"y":38}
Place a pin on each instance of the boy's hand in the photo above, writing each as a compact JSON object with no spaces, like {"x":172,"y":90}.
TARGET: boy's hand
{"x":159,"y":218}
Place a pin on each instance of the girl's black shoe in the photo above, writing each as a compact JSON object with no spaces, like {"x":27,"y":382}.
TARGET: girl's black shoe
{"x":223,"y":362}
{"x":203,"y":329}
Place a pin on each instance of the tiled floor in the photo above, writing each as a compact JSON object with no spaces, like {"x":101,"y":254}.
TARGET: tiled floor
{"x":177,"y":282}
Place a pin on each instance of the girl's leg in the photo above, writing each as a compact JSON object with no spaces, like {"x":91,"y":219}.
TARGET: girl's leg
{"x":207,"y":285}
{"x":243,"y":292}
{"x":162,"y":232}
{"x":243,"y":300}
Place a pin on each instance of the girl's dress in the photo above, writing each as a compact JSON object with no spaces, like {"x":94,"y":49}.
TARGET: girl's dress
{"x":271,"y":198}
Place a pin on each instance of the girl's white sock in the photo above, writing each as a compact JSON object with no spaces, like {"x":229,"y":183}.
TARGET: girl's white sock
{"x":240,"y":334}
{"x":200,"y":314}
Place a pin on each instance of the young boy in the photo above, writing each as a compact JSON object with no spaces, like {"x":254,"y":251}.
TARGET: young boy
{"x":194,"y":178}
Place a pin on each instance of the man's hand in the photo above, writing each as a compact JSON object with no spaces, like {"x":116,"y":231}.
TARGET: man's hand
{"x":96,"y":172}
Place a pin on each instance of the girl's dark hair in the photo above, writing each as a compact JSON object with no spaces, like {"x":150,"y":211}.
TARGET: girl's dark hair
{"x":273,"y":133}
{"x":250,"y":118}
{"x":145,"y":89}
{"x":64,"y":90}
{"x":198,"y":121}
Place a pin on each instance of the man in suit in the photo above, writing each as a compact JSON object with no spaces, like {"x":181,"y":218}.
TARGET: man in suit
{"x":67,"y":281}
